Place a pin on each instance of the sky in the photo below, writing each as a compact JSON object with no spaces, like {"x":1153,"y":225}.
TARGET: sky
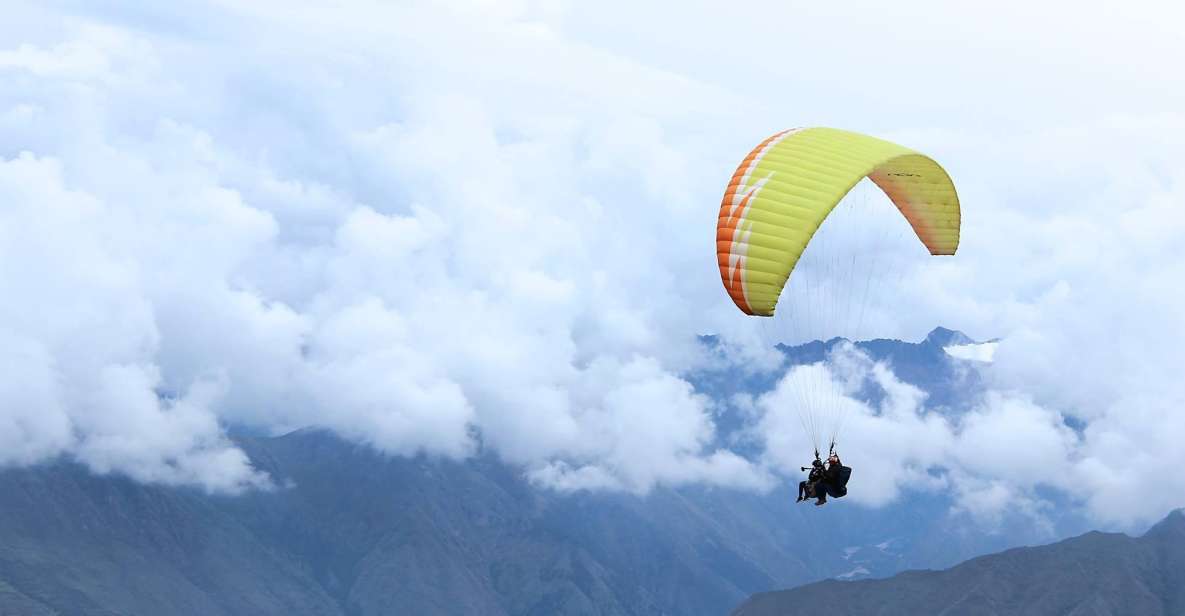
{"x":447,"y":228}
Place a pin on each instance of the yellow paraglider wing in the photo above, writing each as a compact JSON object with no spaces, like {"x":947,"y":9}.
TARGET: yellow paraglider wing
{"x":790,"y":182}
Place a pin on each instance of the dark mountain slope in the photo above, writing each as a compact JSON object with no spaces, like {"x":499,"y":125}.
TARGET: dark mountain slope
{"x":1096,"y":574}
{"x":74,"y":543}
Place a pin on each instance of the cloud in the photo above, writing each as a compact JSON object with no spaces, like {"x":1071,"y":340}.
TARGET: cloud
{"x":1083,"y":294}
{"x":35,"y":424}
{"x":441,"y":228}
{"x":1001,"y":455}
{"x":980,"y":352}
{"x":398,"y":251}
{"x":638,"y":426}
{"x":80,"y":338}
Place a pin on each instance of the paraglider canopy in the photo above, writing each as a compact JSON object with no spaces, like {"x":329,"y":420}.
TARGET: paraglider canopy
{"x":784,"y":189}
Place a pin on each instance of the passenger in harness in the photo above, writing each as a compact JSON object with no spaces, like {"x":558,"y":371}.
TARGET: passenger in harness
{"x":806,"y":489}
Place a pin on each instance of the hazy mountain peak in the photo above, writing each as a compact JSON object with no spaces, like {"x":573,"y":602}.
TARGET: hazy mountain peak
{"x":941,"y":336}
{"x":1172,"y":526}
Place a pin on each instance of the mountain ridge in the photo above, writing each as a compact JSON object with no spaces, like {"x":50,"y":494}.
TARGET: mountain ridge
{"x":1094,"y":573}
